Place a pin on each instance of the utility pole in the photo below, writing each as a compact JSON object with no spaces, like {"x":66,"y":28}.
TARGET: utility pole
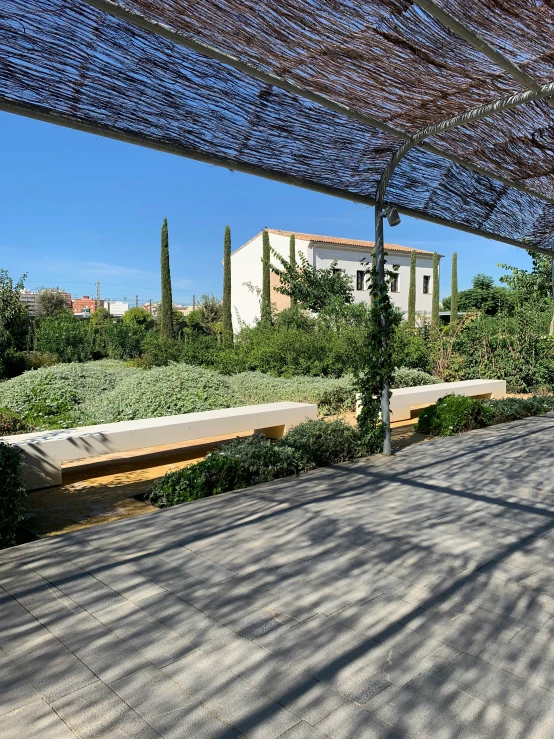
{"x":150,"y":306}
{"x":194,"y":302}
{"x":98,"y":295}
{"x":136,"y":301}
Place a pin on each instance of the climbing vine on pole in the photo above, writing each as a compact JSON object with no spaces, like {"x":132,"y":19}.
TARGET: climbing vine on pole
{"x":376,"y":361}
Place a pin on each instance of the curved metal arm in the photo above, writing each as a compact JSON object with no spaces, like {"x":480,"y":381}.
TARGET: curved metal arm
{"x":470,"y":116}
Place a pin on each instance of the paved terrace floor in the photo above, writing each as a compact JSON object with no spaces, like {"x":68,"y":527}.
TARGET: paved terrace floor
{"x":410,"y":597}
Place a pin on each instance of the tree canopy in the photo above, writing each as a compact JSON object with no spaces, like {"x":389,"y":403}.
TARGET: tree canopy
{"x":483,"y":296}
{"x":311,"y":287}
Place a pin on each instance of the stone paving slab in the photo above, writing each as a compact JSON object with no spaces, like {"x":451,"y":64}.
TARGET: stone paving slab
{"x":388,"y":598}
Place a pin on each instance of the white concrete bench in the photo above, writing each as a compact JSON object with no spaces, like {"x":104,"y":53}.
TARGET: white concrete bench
{"x":44,"y":451}
{"x":406,"y":399}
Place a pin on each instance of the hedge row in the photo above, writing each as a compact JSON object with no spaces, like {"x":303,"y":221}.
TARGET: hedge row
{"x":455,"y":414}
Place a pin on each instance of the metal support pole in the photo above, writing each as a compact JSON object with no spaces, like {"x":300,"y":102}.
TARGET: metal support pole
{"x":380,"y":264}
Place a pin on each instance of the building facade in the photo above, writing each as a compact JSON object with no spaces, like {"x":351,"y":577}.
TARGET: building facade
{"x":322,"y":251}
{"x":84,"y":305}
{"x":30,"y":299}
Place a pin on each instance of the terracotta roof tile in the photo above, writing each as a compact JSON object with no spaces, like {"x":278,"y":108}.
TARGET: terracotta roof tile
{"x":345,"y":242}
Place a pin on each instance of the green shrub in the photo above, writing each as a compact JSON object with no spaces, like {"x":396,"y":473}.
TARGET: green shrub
{"x":12,"y":494}
{"x":11,"y":423}
{"x":53,"y":397}
{"x":68,"y":337}
{"x":159,"y":351}
{"x":35,"y":360}
{"x":409,"y":377}
{"x":453,"y":414}
{"x":213,"y":475}
{"x":321,"y":443}
{"x":514,"y":409}
{"x":162,"y":391}
{"x":253,"y":460}
{"x":331,"y":395}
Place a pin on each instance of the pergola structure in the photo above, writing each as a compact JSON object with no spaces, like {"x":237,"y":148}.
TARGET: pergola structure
{"x":442,"y":109}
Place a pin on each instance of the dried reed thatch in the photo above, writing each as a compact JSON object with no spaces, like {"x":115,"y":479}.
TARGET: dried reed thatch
{"x":319,"y":93}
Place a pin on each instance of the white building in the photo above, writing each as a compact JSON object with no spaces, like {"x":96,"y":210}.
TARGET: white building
{"x":116,"y":308}
{"x":322,"y":251}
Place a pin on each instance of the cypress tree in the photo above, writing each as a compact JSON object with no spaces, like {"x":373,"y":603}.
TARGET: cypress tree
{"x":412,"y":293}
{"x":265,"y":313}
{"x":166,"y":307}
{"x":292,"y":261}
{"x":454,"y":298}
{"x":436,"y":291}
{"x":227,"y":318}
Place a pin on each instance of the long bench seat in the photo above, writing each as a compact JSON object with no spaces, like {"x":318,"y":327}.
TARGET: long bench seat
{"x":44,"y":451}
{"x":406,"y":399}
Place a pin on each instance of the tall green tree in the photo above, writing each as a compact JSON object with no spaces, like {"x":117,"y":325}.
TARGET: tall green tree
{"x":265,"y":316}
{"x":412,"y":291}
{"x":454,"y":293}
{"x":292,"y":262}
{"x":227,"y":318}
{"x":436,"y":291}
{"x":165,"y":315}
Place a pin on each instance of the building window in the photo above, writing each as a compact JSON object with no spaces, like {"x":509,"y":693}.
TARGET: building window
{"x":426,"y":283}
{"x":360,"y":279}
{"x":394,"y":283}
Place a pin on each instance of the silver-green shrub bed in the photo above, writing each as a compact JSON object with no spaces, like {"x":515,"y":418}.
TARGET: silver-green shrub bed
{"x":331,"y":395}
{"x":81,"y":394}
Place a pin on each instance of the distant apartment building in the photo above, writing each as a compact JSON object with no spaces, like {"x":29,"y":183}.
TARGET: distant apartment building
{"x":30,"y":299}
{"x":322,"y":251}
{"x":184,"y":309}
{"x":83,"y":306}
{"x":116,"y":308}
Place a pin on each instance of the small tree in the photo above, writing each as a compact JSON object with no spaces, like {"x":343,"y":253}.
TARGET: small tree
{"x":50,"y":301}
{"x":138,"y":317}
{"x":210,"y":314}
{"x":313,"y":288}
{"x":436,"y":292}
{"x":454,"y":294}
{"x":165,"y":314}
{"x":412,"y":291}
{"x":227,"y":318}
{"x":292,"y":262}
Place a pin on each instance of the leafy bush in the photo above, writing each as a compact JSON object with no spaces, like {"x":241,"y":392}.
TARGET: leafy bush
{"x":214,"y":475}
{"x":68,"y":337}
{"x":321,"y":443}
{"x":331,"y":395}
{"x":453,"y":414}
{"x":408,"y":377}
{"x":11,"y":423}
{"x":162,"y":391}
{"x":12,"y":494}
{"x":35,"y":360}
{"x":244,"y":462}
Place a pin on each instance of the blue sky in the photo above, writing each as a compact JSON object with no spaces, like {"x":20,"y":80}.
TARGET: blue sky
{"x":77,"y":208}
